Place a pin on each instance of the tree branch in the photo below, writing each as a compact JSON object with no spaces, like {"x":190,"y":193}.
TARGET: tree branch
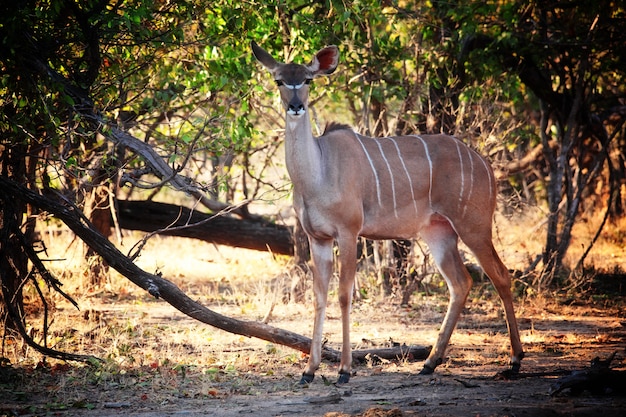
{"x":161,"y":169}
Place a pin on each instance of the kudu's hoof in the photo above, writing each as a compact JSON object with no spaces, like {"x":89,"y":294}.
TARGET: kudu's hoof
{"x":306,"y":379}
{"x":506,"y":375}
{"x":515,"y":368}
{"x":427,"y":370}
{"x":344,"y":378}
{"x":511,"y":373}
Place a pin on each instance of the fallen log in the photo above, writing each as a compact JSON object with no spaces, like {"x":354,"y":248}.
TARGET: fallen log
{"x":598,"y":379}
{"x":411,"y":353}
{"x":172,"y":220}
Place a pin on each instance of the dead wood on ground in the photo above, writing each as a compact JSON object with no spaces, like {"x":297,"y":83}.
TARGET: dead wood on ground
{"x":172,"y":220}
{"x":597,"y":379}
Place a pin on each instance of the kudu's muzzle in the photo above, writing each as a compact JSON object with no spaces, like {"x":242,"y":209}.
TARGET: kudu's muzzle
{"x":295,"y":107}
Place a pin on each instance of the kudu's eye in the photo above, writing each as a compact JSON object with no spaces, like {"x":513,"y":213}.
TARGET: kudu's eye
{"x":279,"y":83}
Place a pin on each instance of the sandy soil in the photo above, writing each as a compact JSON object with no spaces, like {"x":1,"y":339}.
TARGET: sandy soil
{"x":159,"y":362}
{"x":558,"y":339}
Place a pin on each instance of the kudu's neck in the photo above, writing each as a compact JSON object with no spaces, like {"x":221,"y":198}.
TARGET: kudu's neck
{"x":302,"y":151}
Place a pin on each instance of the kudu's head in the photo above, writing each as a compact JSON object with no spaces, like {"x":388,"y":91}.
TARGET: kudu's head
{"x":293,"y":79}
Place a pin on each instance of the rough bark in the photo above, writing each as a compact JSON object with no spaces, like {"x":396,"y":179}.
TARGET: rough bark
{"x":172,"y":220}
{"x":301,"y":258}
{"x":13,"y":266}
{"x":162,"y":288}
{"x":13,"y":260}
{"x":98,"y":211}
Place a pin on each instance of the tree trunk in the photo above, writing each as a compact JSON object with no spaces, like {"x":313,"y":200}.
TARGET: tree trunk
{"x":13,"y":264}
{"x":98,"y":212}
{"x":302,"y":255}
{"x":554,"y":195}
{"x":13,"y":260}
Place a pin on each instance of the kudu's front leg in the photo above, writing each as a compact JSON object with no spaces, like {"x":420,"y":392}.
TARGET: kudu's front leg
{"x":322,"y":257}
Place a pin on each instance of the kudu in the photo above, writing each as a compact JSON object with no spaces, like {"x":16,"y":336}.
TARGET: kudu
{"x":347,"y":185}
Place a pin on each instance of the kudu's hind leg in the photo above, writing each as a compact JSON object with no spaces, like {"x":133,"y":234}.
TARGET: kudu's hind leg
{"x":442,"y":241}
{"x":499,"y":275}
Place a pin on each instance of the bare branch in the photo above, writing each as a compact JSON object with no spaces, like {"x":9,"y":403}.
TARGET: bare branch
{"x":162,"y":169}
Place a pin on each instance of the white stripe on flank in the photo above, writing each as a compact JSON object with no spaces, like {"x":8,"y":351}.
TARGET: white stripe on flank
{"x":393,"y":182}
{"x":458,"y":151}
{"x":430,"y":167}
{"x":471,"y":188}
{"x":406,"y":171}
{"x":491,"y":192}
{"x":380,"y":202}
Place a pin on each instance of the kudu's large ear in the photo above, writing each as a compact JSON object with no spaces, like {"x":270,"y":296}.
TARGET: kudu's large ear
{"x":264,"y":57}
{"x":325,"y":61}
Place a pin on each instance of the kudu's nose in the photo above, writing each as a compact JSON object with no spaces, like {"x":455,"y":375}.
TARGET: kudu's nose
{"x":295,"y":109}
{"x":295,"y":106}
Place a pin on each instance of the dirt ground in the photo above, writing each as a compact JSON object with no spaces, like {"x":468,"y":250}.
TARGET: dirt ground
{"x":558,"y":338}
{"x":158,"y":362}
